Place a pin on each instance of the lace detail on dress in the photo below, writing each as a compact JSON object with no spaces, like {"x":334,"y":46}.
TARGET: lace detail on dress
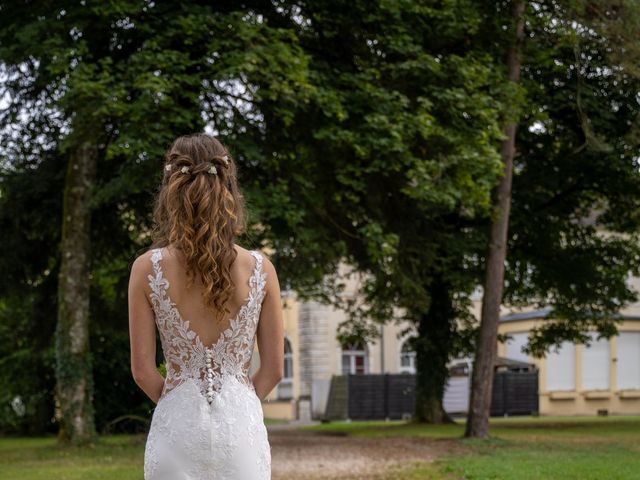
{"x":208,"y":423}
{"x":186,"y":357}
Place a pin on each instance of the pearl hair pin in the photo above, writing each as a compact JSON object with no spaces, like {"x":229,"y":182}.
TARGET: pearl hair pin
{"x":212,"y":169}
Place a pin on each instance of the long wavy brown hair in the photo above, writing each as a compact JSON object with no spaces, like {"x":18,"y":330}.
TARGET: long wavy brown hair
{"x":200,"y":213}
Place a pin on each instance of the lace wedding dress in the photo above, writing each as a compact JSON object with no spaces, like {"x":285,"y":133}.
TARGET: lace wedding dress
{"x":208,"y":423}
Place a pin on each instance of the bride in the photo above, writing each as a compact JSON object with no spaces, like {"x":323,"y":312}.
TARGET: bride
{"x":211,"y":301}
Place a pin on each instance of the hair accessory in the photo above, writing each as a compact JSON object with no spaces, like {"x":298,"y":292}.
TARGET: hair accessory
{"x":225,"y":159}
{"x":167,"y":167}
{"x":213,"y":170}
{"x":184,"y":169}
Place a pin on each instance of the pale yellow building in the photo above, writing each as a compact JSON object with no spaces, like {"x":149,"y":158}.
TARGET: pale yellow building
{"x":580,"y":380}
{"x":313,"y":354}
{"x":575,"y":380}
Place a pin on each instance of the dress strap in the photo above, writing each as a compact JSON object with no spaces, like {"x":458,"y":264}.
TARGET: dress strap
{"x":156,"y":255}
{"x":257,"y":280}
{"x":258,"y":256}
{"x":157,"y":276}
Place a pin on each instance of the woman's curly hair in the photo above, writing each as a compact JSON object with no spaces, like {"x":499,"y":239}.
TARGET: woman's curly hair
{"x":201,"y":213}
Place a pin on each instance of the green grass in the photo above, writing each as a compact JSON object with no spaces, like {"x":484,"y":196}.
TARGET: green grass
{"x":274,"y":421}
{"x":115,"y":457}
{"x":389,"y":429}
{"x":528,"y":448}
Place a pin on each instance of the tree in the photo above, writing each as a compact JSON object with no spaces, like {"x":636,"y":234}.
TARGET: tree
{"x":108,"y":86}
{"x":387,"y":168}
{"x":584,"y":124}
{"x":576,"y":175}
{"x":483,"y":365}
{"x":340,"y":167}
{"x":29,"y":231}
{"x":73,"y":363}
{"x":366,"y":132}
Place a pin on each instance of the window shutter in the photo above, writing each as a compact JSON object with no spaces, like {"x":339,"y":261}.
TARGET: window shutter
{"x":561,"y":368}
{"x":514,"y":346}
{"x":595,"y":364}
{"x":628,"y":364}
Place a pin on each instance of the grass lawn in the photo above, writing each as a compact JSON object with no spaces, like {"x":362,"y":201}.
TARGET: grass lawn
{"x":527,"y":448}
{"x":117,"y":457}
{"x":594,"y":448}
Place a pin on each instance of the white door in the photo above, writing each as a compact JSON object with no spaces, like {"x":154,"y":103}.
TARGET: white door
{"x":456,"y":395}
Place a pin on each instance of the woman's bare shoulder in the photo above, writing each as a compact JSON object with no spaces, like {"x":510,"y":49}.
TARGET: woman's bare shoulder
{"x":247,"y":259}
{"x":140,"y":269}
{"x":142,"y":261}
{"x":244,"y":258}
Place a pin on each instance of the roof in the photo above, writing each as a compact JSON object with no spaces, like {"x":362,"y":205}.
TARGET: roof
{"x":545,"y":313}
{"x":542,"y":313}
{"x":510,"y":362}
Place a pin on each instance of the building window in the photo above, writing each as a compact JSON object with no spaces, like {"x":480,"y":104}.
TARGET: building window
{"x":561,"y":368}
{"x":288,"y":360}
{"x":514,"y":346}
{"x":354,"y":358}
{"x":595,"y":364}
{"x":407,"y":358}
{"x":628,"y":363}
{"x":285,"y":387}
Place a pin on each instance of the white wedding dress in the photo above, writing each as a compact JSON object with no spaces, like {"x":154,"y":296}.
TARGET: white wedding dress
{"x":208,"y":423}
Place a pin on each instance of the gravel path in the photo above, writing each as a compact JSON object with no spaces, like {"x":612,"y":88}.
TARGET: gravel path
{"x":298,"y":454}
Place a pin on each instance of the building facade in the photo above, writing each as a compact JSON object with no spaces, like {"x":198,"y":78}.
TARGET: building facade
{"x":579,"y":380}
{"x":574,"y":380}
{"x":313,"y":354}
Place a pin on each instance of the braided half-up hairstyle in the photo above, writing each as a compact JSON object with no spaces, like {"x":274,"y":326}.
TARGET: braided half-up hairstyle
{"x":199,"y":210}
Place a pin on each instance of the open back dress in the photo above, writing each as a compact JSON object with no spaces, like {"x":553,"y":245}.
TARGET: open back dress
{"x":208,"y":423}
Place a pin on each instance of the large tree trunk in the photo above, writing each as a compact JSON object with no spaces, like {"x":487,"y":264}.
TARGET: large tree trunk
{"x":74,"y":379}
{"x":485,"y":357}
{"x":432,"y":349}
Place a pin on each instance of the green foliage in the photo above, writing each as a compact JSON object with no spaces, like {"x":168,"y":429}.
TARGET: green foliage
{"x":365,"y":132}
{"x":26,"y":373}
{"x":130,"y":76}
{"x":29,"y":206}
{"x":399,"y":134}
{"x":574,"y":226}
{"x":390,"y":164}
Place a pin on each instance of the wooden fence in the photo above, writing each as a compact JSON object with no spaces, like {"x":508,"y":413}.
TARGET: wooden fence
{"x":514,"y":393}
{"x":380,"y":396}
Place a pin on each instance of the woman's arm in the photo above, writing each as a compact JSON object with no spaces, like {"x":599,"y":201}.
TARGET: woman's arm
{"x":142,"y":332}
{"x":270,"y":336}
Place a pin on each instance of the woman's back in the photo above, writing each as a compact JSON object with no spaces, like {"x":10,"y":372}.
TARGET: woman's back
{"x":194,"y":348}
{"x":209,"y":418}
{"x":211,"y":302}
{"x":189,"y":301}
